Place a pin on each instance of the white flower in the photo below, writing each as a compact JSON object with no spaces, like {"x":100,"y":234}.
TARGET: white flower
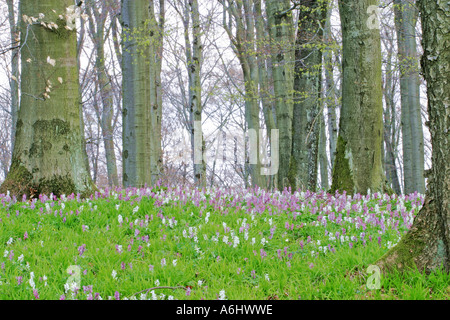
{"x":20,"y":258}
{"x":200,"y":282}
{"x":170,"y":298}
{"x":174,"y":262}
{"x":225,"y":239}
{"x":222,"y":295}
{"x":5,"y":254}
{"x":235,"y":241}
{"x":114,"y":274}
{"x":157,"y":282}
{"x":266,"y":276}
{"x":136,"y":209}
{"x":120,"y":219}
{"x":154,"y":297}
{"x":253,"y":241}
{"x":117,"y":206}
{"x":263,"y":241}
{"x":143,"y":296}
{"x":10,"y":241}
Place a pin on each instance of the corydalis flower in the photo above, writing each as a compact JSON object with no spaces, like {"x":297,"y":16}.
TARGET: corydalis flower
{"x":81,"y":249}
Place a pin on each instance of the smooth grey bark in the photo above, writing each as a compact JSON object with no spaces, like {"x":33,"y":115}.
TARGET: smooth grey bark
{"x":193,"y":52}
{"x":14,"y":83}
{"x":330,"y":88}
{"x":406,"y":15}
{"x":323,"y":157}
{"x":244,"y":44}
{"x":106,"y":112}
{"x":389,"y":134}
{"x":281,"y":37}
{"x":142,"y":100}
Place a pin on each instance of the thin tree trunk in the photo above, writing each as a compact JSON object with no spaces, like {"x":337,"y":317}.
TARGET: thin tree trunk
{"x":14,"y":82}
{"x":331,"y":99}
{"x":427,"y":244}
{"x":194,"y":63}
{"x":107,"y":111}
{"x":281,"y":35}
{"x":49,"y":154}
{"x":323,"y":158}
{"x":412,"y":132}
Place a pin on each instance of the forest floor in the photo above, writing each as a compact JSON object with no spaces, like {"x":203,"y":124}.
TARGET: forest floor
{"x":215,"y":244}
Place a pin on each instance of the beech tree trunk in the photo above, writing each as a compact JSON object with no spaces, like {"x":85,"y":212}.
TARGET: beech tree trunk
{"x":427,"y":244}
{"x":358,"y":162}
{"x":281,"y":35}
{"x":49,"y":154}
{"x":307,"y":95}
{"x":14,"y":82}
{"x":141,"y":111}
{"x":412,"y":131}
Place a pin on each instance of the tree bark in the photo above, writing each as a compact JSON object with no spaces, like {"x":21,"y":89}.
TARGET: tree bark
{"x":281,"y":35}
{"x":307,"y":95}
{"x":358,"y":162}
{"x":193,"y":51}
{"x":141,"y":111}
{"x":426,"y":246}
{"x":107,"y":103}
{"x":49,"y":154}
{"x":412,"y":132}
{"x":14,"y":83}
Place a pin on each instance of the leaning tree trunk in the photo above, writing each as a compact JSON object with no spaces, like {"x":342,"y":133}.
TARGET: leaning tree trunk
{"x":358,"y":161}
{"x":48,"y":155}
{"x":427,"y":244}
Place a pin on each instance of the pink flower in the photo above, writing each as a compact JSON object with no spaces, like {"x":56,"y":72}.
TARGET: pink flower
{"x":25,"y":236}
{"x":311,"y":265}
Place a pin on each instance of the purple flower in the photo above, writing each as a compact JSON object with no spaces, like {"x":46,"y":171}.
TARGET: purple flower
{"x":25,"y":236}
{"x":19,"y":280}
{"x":62,"y":297}
{"x":163,"y":262}
{"x":81,"y":249}
{"x":311,"y":265}
{"x":188,"y":291}
{"x":35,"y":293}
{"x":150,"y":267}
{"x":117,"y":295}
{"x":122,"y":265}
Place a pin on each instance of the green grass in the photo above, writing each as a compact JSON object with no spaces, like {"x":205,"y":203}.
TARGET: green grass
{"x":286,"y":266}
